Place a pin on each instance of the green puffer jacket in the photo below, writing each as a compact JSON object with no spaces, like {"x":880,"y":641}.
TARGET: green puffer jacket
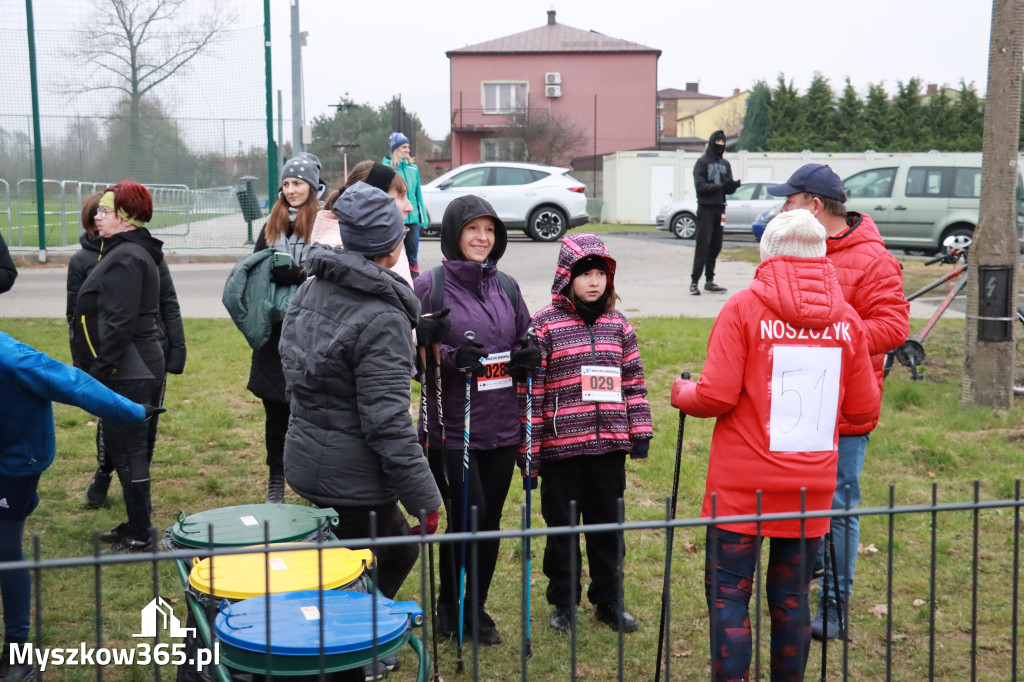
{"x":254,"y":303}
{"x":411,"y":174}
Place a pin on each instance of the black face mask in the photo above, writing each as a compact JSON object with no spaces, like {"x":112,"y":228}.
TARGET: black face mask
{"x":719,"y":149}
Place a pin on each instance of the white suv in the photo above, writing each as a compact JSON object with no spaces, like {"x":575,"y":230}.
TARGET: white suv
{"x":543,"y":201}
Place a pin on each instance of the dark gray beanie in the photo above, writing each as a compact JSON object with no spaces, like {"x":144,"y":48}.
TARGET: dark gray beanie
{"x":368,"y":220}
{"x":306,"y":167}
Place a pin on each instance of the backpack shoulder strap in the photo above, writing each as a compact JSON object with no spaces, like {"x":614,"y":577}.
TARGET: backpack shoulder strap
{"x":436,"y":288}
{"x":510,"y":291}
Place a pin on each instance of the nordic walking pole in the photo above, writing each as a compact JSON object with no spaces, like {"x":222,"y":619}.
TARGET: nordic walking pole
{"x":465,"y":512}
{"x":531,"y":336}
{"x":665,"y":591}
{"x":430,"y":548}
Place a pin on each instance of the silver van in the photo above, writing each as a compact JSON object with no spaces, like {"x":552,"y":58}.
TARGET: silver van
{"x":918,"y":202}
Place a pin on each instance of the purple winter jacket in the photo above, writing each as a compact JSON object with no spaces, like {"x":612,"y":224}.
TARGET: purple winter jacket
{"x":477,"y":303}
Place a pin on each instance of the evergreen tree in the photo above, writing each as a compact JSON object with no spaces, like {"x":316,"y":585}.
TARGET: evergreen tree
{"x":941,"y":121}
{"x":819,"y":109}
{"x":788,"y":131}
{"x":908,"y":115}
{"x":756,"y":128}
{"x":970,"y":117}
{"x":878,"y":119}
{"x":850,"y":125}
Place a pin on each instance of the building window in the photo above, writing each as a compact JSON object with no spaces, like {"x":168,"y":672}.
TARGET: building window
{"x":504,"y":98}
{"x":661,"y":104}
{"x":502,"y":149}
{"x":661,"y":122}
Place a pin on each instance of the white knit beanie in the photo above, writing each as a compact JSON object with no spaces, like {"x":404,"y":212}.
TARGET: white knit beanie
{"x":793,"y":233}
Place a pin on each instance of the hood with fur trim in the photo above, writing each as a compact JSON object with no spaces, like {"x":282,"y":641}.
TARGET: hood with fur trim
{"x":576,"y":248}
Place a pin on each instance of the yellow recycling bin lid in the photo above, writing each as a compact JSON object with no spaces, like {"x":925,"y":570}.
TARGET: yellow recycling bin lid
{"x":243,"y":576}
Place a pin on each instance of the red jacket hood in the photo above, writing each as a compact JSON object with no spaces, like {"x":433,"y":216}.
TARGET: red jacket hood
{"x":801,"y":291}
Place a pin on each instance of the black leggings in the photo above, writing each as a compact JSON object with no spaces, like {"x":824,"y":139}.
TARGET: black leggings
{"x":393,"y":562}
{"x":276,"y":426}
{"x":129,"y":447}
{"x":490,"y":473}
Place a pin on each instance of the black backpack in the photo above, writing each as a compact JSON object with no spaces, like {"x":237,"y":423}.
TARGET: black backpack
{"x":437,"y":289}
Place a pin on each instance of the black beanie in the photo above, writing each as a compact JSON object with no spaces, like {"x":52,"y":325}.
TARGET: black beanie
{"x":586,"y":264}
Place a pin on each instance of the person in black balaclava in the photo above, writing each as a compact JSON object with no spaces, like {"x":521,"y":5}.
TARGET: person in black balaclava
{"x":712,"y":177}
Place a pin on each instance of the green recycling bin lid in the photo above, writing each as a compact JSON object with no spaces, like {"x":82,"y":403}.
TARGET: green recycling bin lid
{"x":250,"y":524}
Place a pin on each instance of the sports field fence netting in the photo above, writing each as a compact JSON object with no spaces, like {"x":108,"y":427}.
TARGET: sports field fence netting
{"x":191,"y":132}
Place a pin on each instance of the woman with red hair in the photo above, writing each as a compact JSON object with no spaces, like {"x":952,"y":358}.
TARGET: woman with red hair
{"x":117,"y":340}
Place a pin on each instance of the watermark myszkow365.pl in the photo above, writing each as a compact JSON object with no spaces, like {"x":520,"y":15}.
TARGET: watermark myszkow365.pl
{"x":157,"y":615}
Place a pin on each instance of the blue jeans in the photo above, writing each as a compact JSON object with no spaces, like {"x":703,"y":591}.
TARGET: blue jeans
{"x":846,"y":530}
{"x":412,"y":245}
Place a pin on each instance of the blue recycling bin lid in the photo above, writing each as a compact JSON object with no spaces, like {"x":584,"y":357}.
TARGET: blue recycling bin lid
{"x":295,"y":619}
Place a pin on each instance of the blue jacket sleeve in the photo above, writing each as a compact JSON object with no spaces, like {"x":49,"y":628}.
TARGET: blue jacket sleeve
{"x":47,"y":378}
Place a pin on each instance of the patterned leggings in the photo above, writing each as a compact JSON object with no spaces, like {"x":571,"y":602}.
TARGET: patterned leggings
{"x":786,"y":586}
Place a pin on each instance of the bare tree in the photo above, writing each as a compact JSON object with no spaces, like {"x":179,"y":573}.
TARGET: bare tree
{"x":549,"y":138}
{"x":135,"y":45}
{"x":989,"y":356}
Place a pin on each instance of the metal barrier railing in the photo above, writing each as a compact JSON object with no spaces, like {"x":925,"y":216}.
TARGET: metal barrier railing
{"x":1002,"y":567}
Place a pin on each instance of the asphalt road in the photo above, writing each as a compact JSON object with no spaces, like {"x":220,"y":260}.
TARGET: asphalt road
{"x":652,"y":278}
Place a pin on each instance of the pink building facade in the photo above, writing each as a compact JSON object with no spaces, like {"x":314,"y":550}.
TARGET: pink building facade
{"x":598,"y":94}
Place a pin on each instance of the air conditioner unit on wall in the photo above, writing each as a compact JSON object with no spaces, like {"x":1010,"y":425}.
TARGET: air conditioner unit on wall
{"x":553,"y":90}
{"x":553,"y":78}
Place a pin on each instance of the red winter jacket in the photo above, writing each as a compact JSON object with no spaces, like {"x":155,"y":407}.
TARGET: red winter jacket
{"x":872,"y":282}
{"x":785,"y":358}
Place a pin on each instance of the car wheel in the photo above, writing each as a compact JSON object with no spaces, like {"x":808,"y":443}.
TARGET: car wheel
{"x":956,"y":231}
{"x":684,"y":226}
{"x":547,"y":224}
{"x":430,"y":230}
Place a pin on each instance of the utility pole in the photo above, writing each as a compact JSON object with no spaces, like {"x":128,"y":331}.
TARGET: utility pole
{"x":298,"y":42}
{"x":989,"y":349}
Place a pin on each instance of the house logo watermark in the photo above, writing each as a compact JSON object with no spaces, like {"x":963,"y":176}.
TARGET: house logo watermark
{"x":159,"y":615}
{"x":157,"y":619}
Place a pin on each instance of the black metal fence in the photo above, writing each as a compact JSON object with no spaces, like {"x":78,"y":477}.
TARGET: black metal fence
{"x":992,"y":577}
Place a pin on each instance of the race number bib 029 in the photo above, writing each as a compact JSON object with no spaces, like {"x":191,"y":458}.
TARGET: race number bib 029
{"x":495,"y":372}
{"x":805,"y":398}
{"x":601,"y":384}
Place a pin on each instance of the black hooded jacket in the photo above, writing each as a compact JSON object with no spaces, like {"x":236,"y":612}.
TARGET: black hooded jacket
{"x":8,"y":273}
{"x":116,"y":335}
{"x":172,"y":330}
{"x":711,"y":174}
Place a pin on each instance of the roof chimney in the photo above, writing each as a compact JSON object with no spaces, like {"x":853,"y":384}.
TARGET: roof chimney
{"x":933,"y":88}
{"x":551,"y":17}
{"x":692,"y":87}
{"x":735,"y":91}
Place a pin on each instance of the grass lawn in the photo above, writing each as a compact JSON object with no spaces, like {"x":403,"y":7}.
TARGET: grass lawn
{"x":210,"y":454}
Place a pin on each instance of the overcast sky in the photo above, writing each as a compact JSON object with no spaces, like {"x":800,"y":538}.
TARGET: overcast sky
{"x":374,"y":50}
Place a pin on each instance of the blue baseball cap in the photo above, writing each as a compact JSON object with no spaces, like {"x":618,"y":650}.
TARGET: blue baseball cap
{"x":815,"y":178}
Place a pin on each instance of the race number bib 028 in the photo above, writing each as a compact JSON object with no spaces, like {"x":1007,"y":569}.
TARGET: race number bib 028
{"x":601,"y":384}
{"x":805,"y":398}
{"x":495,"y":372}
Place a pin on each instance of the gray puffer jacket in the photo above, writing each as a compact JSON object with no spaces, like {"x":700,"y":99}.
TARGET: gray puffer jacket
{"x":347,"y":353}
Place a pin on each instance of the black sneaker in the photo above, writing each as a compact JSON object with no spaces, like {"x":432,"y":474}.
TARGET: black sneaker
{"x":375,"y":670}
{"x":561,"y":619}
{"x":447,"y":621}
{"x":487,"y":631}
{"x":609,"y":615}
{"x":96,"y":493}
{"x":16,"y":672}
{"x":694,"y":289}
{"x":822,"y":629}
{"x":115,"y":534}
{"x":712,"y":287}
{"x":129,"y":545}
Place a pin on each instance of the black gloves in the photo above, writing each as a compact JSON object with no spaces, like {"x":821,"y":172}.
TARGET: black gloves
{"x":732,"y":185}
{"x":433,"y":327}
{"x":287,"y":275}
{"x":468,"y":356}
{"x":152,"y":410}
{"x":639,"y":449}
{"x":525,"y":361}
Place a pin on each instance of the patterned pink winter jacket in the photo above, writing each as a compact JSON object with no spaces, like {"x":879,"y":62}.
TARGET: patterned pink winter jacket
{"x":564,"y":424}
